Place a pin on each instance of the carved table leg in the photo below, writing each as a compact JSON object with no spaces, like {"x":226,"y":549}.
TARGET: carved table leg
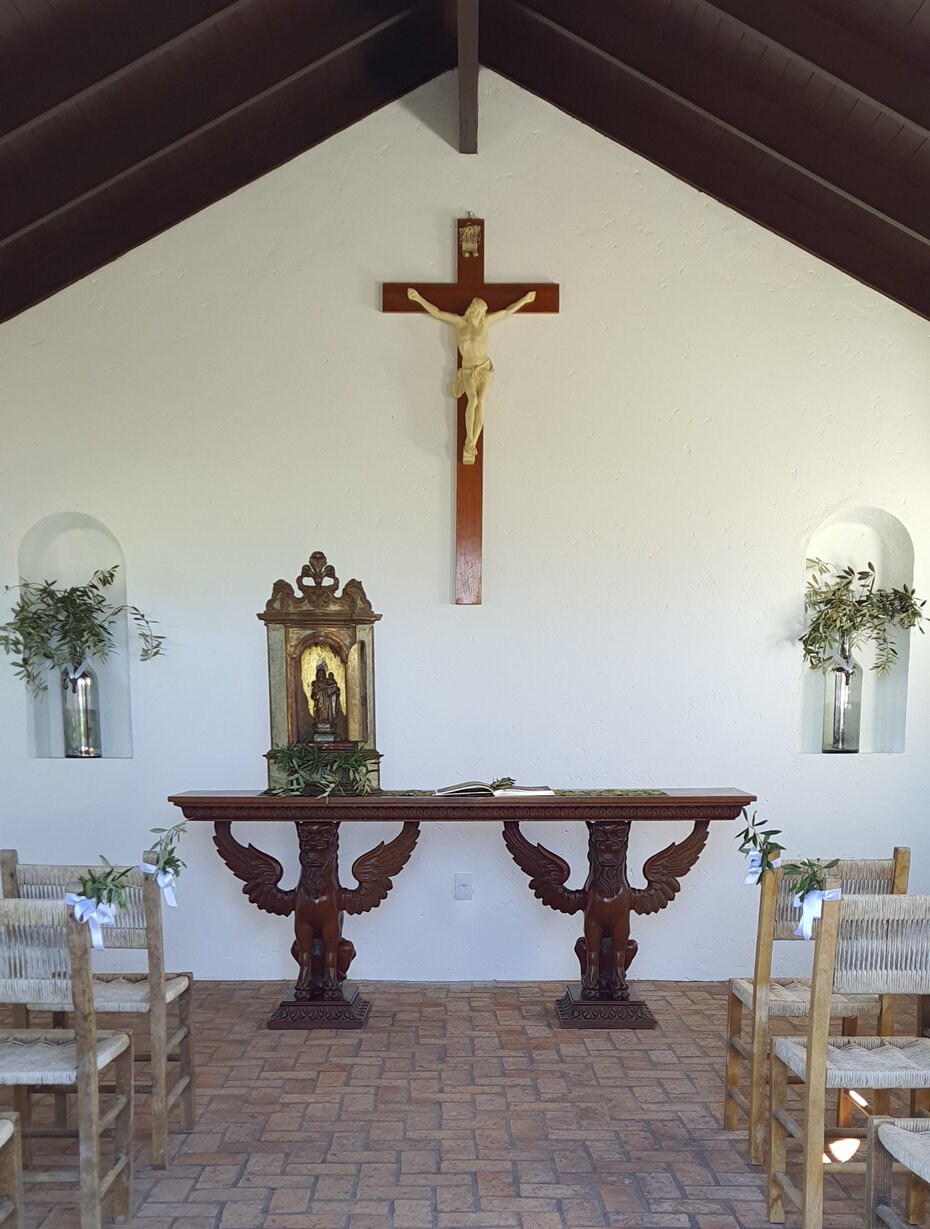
{"x":603,"y":999}
{"x":318,"y":902}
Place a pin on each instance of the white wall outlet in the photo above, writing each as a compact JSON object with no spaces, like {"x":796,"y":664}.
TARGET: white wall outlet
{"x":463,"y":885}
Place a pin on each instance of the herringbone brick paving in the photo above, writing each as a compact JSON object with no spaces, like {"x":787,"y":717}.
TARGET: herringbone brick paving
{"x":460,"y":1106}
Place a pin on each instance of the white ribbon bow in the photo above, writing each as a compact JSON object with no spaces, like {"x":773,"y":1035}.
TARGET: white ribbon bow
{"x":87,"y":910}
{"x":73,"y":674}
{"x":755,"y":866}
{"x":811,"y":908}
{"x":164,"y":879}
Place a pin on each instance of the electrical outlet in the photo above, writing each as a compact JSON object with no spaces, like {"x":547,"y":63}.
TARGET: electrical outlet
{"x":463,"y":885}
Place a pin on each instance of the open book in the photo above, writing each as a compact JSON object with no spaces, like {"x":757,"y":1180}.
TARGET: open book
{"x":480,"y":789}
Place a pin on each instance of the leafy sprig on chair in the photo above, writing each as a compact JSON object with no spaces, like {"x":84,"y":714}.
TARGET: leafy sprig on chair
{"x":165,"y":848}
{"x":106,"y":885}
{"x":808,"y":875}
{"x":756,"y":838}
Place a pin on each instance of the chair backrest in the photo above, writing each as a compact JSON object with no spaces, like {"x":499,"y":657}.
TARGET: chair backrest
{"x":45,"y":958}
{"x":883,"y":945}
{"x":138,"y":925}
{"x":857,"y":876}
{"x":779,"y":917}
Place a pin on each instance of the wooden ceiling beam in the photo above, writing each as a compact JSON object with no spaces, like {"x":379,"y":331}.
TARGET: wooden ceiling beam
{"x":221,"y":156}
{"x":57,"y":163}
{"x":467,"y":27}
{"x":593,"y":88}
{"x":738,"y":109}
{"x":848,"y":59}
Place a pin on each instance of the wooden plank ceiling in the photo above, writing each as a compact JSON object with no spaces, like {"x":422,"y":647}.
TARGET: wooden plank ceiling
{"x":118,"y":119}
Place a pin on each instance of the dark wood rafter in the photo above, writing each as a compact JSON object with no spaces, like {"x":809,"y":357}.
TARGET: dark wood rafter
{"x":467,"y":27}
{"x":812,"y":117}
{"x":580,"y":77}
{"x":838,"y":53}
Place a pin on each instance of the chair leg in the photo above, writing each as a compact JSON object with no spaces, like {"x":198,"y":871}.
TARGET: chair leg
{"x":60,"y":1020}
{"x":88,"y":1113}
{"x":121,"y":1190}
{"x":23,"y":1106}
{"x":778,"y":1091}
{"x":815,"y":1096}
{"x":844,"y":1103}
{"x":916,"y":1190}
{"x":186,"y":1021}
{"x":877,"y":1177}
{"x":11,"y":1178}
{"x":734,"y":1029}
{"x":159,"y":1061}
{"x":757,"y":1069}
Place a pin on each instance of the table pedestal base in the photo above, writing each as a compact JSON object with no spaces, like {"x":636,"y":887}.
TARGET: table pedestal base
{"x":576,"y":1012}
{"x":351,"y":1011}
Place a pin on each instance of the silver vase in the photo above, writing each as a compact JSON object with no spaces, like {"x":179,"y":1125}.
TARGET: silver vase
{"x":80,"y":712}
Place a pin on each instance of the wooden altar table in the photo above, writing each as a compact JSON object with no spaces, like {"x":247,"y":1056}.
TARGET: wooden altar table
{"x":602,"y":999}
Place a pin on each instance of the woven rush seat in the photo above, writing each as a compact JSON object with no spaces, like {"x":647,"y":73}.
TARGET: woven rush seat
{"x":50,"y":1058}
{"x":115,"y":994}
{"x":910,"y":1149}
{"x":865,"y":1062}
{"x":792,"y":997}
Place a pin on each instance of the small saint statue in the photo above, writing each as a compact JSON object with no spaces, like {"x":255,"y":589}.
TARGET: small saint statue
{"x":326,"y":702}
{"x":477,"y":371}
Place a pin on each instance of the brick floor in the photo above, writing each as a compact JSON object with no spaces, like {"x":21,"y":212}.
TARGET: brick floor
{"x":460,"y":1106}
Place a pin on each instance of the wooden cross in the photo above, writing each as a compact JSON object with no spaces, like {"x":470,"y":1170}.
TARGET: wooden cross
{"x":455,"y":297}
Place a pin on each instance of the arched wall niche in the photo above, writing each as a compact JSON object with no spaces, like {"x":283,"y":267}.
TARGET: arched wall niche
{"x":855,"y":537}
{"x":67,"y":548}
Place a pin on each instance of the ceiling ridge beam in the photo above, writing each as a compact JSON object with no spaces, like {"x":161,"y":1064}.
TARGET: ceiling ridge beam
{"x":756,"y":121}
{"x":837,"y":53}
{"x":467,"y":35}
{"x":594,"y":99}
{"x":216,"y":121}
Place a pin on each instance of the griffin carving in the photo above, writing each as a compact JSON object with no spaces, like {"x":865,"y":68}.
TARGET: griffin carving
{"x":318,"y":901}
{"x":607,"y":898}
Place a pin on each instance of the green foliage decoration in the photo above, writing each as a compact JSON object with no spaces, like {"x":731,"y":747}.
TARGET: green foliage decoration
{"x":756,"y":838}
{"x":53,"y":627}
{"x":321,"y":772}
{"x":843,"y":602}
{"x":808,"y":875}
{"x":165,"y":848}
{"x":105,"y":885}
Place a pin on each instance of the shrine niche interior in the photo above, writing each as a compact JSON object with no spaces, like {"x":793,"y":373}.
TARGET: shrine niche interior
{"x":700,"y":231}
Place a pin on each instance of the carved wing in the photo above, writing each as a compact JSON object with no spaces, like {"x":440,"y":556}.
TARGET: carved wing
{"x":547,"y":871}
{"x":374,"y":869}
{"x":259,"y":871}
{"x":663,"y":869}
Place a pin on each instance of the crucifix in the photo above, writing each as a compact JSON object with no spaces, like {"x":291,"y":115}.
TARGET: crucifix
{"x":461,"y":303}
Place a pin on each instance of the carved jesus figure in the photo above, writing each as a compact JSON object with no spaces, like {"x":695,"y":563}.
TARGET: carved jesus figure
{"x":477,"y":371}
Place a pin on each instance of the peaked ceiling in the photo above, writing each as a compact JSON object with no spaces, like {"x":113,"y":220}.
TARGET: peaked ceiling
{"x":119,"y":119}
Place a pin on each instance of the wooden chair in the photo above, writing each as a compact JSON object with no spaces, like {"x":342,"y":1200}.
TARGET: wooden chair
{"x":790,"y":997}
{"x":139,"y":926}
{"x":865,"y":945}
{"x":11,"y":1172}
{"x":45,"y":959}
{"x":902,"y":1140}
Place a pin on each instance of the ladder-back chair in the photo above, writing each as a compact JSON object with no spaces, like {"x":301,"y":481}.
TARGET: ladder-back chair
{"x":865,"y":945}
{"x":45,"y":960}
{"x":139,"y":926}
{"x":766,"y":997}
{"x":893,"y":1143}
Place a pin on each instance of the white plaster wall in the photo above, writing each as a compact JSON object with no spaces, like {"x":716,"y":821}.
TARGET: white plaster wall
{"x":229,"y":398}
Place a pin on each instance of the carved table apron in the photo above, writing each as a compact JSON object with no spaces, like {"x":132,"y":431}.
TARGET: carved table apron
{"x":602,"y":999}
